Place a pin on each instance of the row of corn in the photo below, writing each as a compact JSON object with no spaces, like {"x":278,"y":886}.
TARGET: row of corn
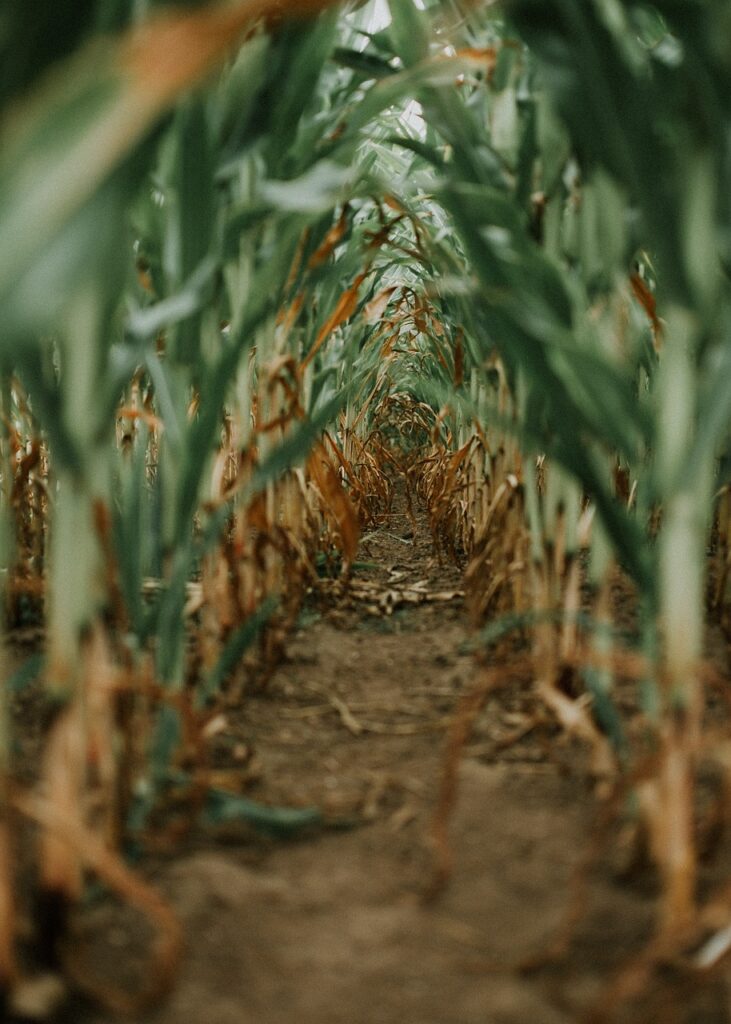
{"x":249,"y":265}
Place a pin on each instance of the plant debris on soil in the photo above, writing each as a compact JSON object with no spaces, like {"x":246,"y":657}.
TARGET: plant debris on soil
{"x":336,"y":924}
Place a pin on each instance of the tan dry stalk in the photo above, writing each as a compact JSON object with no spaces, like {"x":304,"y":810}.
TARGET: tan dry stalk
{"x":469,"y":707}
{"x":88,"y":850}
{"x":667,"y":802}
{"x":571,"y":608}
{"x":336,"y":504}
{"x":8,"y":959}
{"x":62,"y":780}
{"x":101,"y":686}
{"x":722,"y":558}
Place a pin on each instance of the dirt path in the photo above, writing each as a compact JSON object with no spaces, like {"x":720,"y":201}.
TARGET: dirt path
{"x":332,"y":928}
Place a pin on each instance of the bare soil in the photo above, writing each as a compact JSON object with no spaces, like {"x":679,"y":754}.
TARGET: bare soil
{"x":334,"y":927}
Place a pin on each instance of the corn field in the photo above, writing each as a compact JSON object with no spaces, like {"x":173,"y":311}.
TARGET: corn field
{"x":272,"y":271}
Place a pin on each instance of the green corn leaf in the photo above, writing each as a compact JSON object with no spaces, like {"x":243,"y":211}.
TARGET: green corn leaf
{"x":223,"y":808}
{"x":235,"y":648}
